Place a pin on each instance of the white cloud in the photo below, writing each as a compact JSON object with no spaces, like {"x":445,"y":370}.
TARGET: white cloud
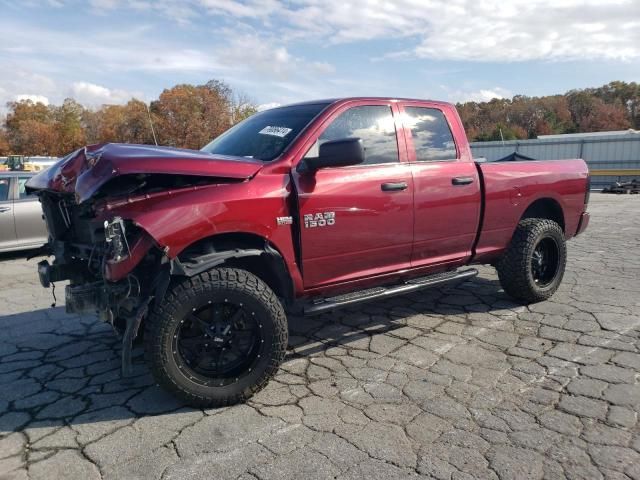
{"x":323,"y":67}
{"x":90,"y":94}
{"x":250,"y":9}
{"x":275,"y":46}
{"x":33,"y":98}
{"x":177,"y":60}
{"x":488,"y":30}
{"x":104,"y":4}
{"x":523,"y":30}
{"x":86,"y":93}
{"x":267,"y":106}
{"x":115,"y":50}
{"x":266,"y":56}
{"x":25,"y":84}
{"x":242,"y":58}
{"x":251,"y":52}
{"x":481,"y":95}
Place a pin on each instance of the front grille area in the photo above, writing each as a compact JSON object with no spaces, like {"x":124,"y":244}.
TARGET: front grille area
{"x":69,"y":222}
{"x":76,"y":237}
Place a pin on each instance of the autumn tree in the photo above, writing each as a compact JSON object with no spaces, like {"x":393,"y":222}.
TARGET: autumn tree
{"x":190,"y":116}
{"x":614,"y":106}
{"x":591,"y":114}
{"x":70,"y":133}
{"x":184,"y":116}
{"x":31,"y":128}
{"x":38,"y":129}
{"x":557,"y":116}
{"x":605,"y":117}
{"x":5,"y":149}
{"x":127,"y":123}
{"x":238,"y":104}
{"x":92,"y":122}
{"x":625,"y":94}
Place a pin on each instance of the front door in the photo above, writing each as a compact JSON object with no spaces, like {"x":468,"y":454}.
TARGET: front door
{"x":30,"y":226}
{"x":7,"y":226}
{"x":356,"y":221}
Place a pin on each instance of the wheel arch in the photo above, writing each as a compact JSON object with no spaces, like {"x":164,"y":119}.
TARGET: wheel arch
{"x":547,"y":208}
{"x":247,"y":251}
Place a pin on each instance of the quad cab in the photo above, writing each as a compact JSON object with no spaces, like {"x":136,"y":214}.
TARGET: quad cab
{"x":311,"y":207}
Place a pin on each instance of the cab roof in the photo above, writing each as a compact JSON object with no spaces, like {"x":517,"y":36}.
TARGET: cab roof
{"x":330,"y":101}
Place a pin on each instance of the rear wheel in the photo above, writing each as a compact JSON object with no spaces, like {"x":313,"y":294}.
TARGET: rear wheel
{"x":216,"y":338}
{"x":532,"y":268}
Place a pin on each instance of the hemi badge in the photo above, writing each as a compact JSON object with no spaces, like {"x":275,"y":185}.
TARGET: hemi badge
{"x":284,"y":220}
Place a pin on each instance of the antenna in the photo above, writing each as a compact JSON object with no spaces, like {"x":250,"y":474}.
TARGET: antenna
{"x":153,"y":131}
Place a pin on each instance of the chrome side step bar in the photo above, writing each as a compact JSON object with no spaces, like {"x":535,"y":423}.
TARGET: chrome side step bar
{"x":322,"y":305}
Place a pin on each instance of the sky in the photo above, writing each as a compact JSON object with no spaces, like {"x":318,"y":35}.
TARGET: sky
{"x":278,"y":52}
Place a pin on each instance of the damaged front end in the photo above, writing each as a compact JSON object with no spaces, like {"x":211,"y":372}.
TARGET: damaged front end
{"x":93,"y":200}
{"x":113,"y":267}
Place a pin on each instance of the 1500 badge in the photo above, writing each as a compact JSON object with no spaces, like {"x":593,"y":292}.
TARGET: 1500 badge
{"x":321,"y":219}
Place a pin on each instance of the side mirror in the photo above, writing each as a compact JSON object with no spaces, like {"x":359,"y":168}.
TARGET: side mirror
{"x":335,"y":153}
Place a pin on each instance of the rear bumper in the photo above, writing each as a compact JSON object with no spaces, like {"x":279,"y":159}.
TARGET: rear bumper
{"x":583,"y":223}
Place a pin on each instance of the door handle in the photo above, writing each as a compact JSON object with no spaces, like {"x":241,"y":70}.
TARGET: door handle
{"x":4,"y":209}
{"x":394,"y":186}
{"x":461,"y":180}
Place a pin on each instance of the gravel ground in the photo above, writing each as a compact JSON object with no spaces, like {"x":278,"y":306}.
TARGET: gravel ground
{"x":449,"y":384}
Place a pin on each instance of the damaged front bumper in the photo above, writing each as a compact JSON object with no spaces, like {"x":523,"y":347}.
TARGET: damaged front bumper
{"x":114,"y":268}
{"x":99,"y":282}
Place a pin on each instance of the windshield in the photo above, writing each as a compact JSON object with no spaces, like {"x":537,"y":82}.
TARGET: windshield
{"x":265,"y":135}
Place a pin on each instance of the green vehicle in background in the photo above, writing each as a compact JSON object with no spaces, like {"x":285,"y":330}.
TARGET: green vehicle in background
{"x":20,"y":163}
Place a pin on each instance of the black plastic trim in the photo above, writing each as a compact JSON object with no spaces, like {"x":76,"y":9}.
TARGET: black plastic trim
{"x":196,"y":265}
{"x":323,"y":305}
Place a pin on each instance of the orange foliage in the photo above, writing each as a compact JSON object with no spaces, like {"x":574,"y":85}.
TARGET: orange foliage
{"x":184,"y":116}
{"x":189,"y":116}
{"x":614,"y":106}
{"x":5,"y":149}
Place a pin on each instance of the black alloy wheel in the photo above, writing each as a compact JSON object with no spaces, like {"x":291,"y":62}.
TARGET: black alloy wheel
{"x":545,"y":261}
{"x":216,"y":338}
{"x":218,"y":343}
{"x":532,"y":267}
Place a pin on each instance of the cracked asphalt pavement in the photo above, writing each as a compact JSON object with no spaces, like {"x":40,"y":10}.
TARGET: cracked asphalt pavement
{"x":451,"y":383}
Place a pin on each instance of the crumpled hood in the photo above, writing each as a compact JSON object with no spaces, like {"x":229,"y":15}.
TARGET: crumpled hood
{"x":84,"y":171}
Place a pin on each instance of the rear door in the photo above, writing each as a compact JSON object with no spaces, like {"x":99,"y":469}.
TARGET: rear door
{"x":27,"y":210}
{"x":446,"y":186}
{"x":356,"y":221}
{"x":7,"y":226}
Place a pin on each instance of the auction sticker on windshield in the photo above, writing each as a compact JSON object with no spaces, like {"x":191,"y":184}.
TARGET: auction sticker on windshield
{"x":275,"y":131}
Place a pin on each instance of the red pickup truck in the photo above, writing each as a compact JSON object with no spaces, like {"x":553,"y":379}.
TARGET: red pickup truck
{"x":309,"y":207}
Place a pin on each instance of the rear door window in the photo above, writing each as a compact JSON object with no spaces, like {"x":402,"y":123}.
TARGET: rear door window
{"x":22,"y":191}
{"x":5,"y":183}
{"x":432,"y":137}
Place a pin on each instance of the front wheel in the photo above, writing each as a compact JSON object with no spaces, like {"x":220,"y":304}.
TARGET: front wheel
{"x":216,"y":338}
{"x":533,"y":265}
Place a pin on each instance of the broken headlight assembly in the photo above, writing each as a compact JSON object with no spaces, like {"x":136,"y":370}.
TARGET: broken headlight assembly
{"x":115,"y":236}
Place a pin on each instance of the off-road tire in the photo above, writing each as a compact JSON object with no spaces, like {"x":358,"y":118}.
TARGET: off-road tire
{"x":181,"y":295}
{"x":515,"y":266}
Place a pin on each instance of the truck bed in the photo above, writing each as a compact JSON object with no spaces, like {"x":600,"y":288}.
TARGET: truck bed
{"x":510,"y":188}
